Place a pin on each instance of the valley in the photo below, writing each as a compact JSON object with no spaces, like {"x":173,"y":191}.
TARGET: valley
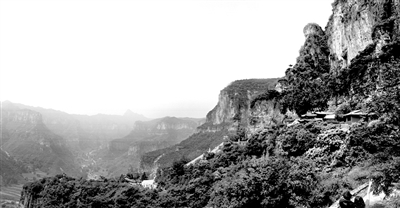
{"x":87,"y":147}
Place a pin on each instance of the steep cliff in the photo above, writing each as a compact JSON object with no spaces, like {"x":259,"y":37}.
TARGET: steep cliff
{"x":356,"y":24}
{"x":234,"y":104}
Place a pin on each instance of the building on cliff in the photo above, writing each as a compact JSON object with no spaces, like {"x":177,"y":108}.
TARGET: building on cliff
{"x":358,"y":115}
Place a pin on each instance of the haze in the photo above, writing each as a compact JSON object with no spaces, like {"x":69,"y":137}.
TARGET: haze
{"x":157,"y":58}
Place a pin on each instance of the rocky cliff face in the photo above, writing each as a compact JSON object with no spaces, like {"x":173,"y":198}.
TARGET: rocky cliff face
{"x":234,"y":108}
{"x":265,"y":113}
{"x":356,"y":24}
{"x":224,"y":111}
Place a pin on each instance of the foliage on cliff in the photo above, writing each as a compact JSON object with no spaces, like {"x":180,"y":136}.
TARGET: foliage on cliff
{"x":306,"y":89}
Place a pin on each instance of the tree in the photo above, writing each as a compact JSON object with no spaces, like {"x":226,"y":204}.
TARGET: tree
{"x":143,"y":176}
{"x":266,"y":182}
{"x":307,"y":88}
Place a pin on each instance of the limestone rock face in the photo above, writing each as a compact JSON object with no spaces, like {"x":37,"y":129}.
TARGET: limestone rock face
{"x":224,"y":111}
{"x":313,"y":29}
{"x":233,"y":109}
{"x":264,"y":113}
{"x":354,"y":25}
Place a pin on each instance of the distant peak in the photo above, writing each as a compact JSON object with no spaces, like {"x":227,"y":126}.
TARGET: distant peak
{"x":8,"y":105}
{"x":129,"y":113}
{"x":132,"y":114}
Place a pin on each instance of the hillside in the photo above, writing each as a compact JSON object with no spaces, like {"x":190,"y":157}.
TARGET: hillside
{"x":11,"y":170}
{"x":26,"y":138}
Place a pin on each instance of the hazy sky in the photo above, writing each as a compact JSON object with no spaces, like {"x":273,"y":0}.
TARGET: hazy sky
{"x":157,"y":58}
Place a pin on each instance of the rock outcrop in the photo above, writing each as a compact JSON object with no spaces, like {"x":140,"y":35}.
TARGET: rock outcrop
{"x":234,"y":109}
{"x":356,"y":24}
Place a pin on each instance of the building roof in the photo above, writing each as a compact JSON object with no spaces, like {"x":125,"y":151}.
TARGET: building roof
{"x":333,"y":116}
{"x":309,"y":115}
{"x":356,"y":113}
{"x":325,"y":113}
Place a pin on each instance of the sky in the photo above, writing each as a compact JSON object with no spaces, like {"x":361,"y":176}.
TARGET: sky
{"x":156,"y":58}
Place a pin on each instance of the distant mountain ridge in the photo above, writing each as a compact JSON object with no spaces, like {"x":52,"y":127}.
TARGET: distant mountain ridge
{"x":83,"y":131}
{"x":160,"y":132}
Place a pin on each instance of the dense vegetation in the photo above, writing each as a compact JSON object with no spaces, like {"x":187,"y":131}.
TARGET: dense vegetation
{"x":306,"y":88}
{"x":279,"y":167}
{"x":64,"y":191}
{"x":10,"y":172}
